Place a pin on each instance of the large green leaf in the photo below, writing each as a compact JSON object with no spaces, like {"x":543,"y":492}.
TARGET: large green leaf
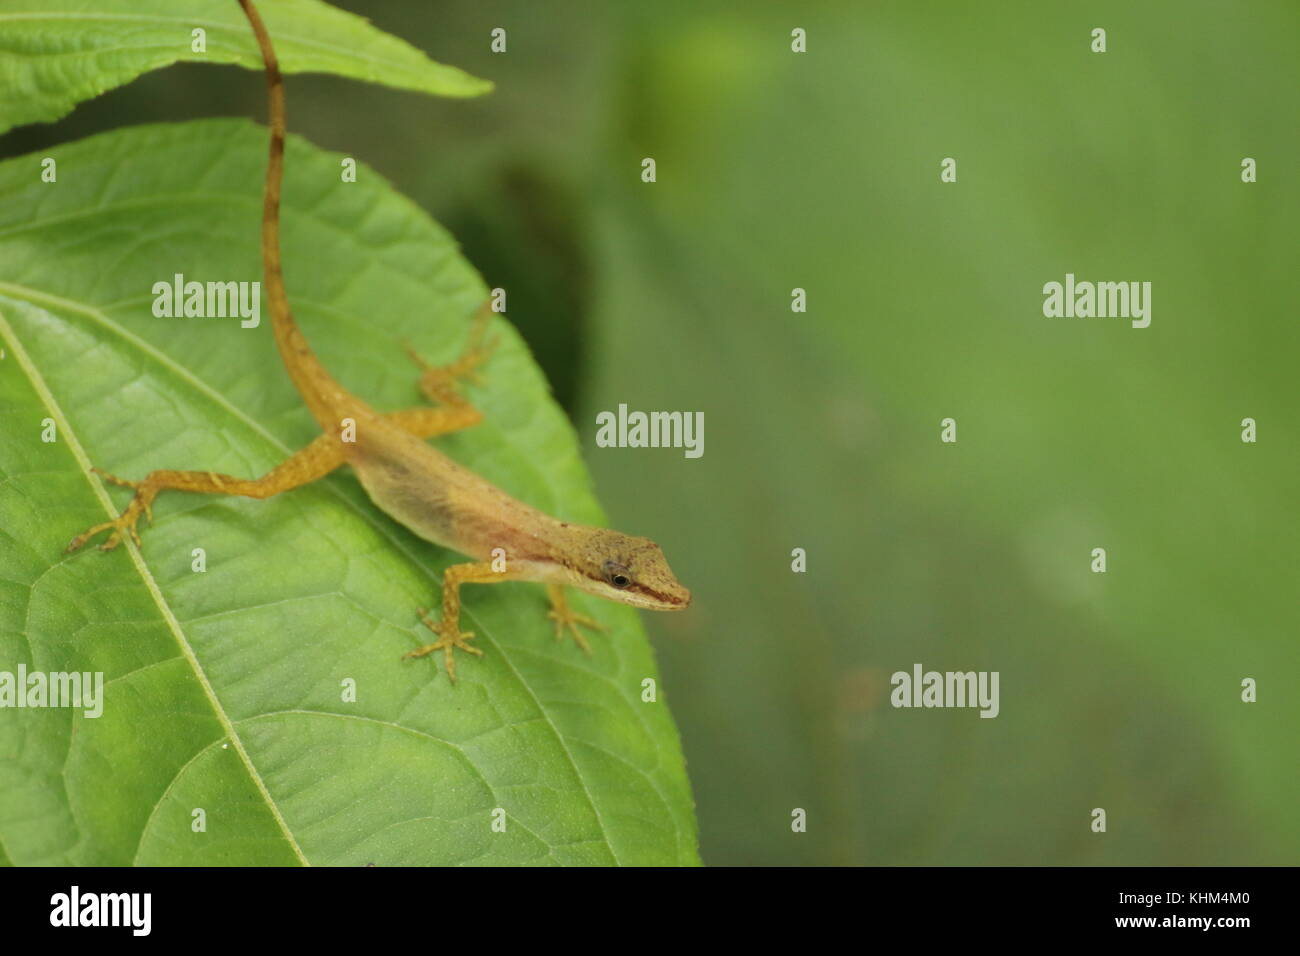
{"x":56,"y":53}
{"x":225,"y":685}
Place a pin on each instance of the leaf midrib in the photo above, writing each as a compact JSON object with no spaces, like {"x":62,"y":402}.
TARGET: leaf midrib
{"x":97,"y":487}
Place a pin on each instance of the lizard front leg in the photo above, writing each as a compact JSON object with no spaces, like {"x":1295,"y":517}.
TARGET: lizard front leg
{"x":565,"y":617}
{"x":450,"y":637}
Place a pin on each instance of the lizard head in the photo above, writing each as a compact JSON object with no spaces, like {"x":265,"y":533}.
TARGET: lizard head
{"x":630,"y":570}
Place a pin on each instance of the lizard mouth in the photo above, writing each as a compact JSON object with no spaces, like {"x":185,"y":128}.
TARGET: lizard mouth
{"x":676,"y":600}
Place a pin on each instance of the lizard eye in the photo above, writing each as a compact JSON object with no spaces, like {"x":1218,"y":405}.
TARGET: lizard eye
{"x":617,"y":575}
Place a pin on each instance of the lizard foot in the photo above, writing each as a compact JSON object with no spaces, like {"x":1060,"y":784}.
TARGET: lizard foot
{"x":437,"y":378}
{"x":450,"y":639}
{"x":124,"y":523}
{"x":566,"y":618}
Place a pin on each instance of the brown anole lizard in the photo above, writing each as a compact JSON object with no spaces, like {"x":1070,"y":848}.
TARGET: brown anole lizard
{"x":425,"y":490}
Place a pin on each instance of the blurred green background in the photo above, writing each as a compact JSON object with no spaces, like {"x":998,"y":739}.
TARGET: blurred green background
{"x":820,"y":170}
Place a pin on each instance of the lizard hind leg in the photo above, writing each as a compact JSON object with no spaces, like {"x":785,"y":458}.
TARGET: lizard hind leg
{"x":427,"y":421}
{"x":124,"y":523}
{"x":439,"y":382}
{"x":314,"y":461}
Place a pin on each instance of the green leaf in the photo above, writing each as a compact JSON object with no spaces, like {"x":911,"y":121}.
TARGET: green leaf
{"x":223,"y":688}
{"x":56,"y":53}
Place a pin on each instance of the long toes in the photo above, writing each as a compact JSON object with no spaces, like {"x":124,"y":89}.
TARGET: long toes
{"x":415,"y":356}
{"x":85,"y":536}
{"x":113,"y":479}
{"x":81,"y":539}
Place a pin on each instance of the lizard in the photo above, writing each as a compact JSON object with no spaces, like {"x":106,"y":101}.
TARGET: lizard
{"x":407,"y":478}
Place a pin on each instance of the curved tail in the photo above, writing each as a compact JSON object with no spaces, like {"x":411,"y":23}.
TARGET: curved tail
{"x":324,"y":396}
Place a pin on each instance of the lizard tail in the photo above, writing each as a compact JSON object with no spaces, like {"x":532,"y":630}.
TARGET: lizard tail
{"x":324,"y":396}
